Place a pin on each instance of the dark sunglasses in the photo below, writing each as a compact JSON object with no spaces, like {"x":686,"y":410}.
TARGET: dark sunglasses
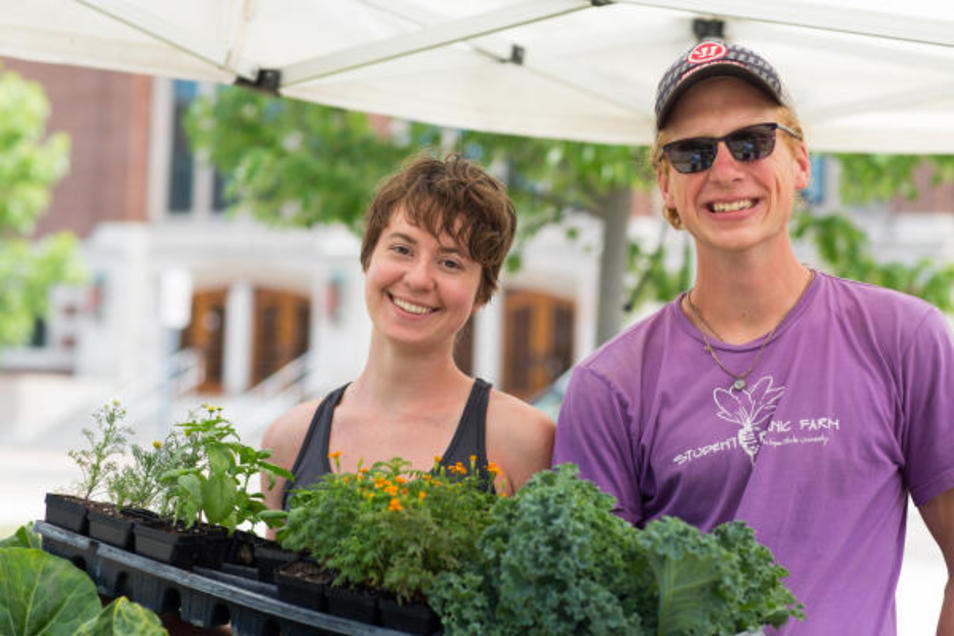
{"x":746,"y":144}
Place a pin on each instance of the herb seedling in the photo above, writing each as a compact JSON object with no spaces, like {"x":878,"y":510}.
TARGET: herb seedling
{"x":212,"y":471}
{"x":106,"y":442}
{"x":138,"y":484}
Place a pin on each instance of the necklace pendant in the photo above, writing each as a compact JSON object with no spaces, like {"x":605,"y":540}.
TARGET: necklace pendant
{"x":739,"y":384}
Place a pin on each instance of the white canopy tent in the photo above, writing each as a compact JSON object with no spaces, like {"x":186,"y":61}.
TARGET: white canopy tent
{"x":864,"y":79}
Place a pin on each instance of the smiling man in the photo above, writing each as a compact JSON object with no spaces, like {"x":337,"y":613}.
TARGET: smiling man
{"x":806,"y":405}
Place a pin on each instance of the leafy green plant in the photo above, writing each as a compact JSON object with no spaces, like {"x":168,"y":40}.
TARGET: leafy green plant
{"x":24,"y":537}
{"x":138,"y":484}
{"x":122,"y":617}
{"x":212,"y":471}
{"x":389,"y":526}
{"x":44,"y":594}
{"x":556,"y":560}
{"x":106,"y":442}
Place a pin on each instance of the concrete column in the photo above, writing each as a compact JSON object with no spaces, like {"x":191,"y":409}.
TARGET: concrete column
{"x":489,"y":340}
{"x":237,"y":357}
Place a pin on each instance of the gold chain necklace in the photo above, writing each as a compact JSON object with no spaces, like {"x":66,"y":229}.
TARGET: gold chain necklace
{"x":739,"y":382}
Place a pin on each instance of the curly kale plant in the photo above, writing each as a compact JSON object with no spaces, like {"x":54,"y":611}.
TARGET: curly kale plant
{"x":723,"y":582}
{"x":556,"y":560}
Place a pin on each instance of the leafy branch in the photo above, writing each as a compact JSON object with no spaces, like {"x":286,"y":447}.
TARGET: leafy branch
{"x":845,"y":249}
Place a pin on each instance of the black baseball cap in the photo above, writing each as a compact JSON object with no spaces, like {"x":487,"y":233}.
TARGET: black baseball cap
{"x":713,"y":58}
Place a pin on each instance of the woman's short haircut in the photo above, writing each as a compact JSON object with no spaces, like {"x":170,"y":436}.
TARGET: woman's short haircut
{"x":454,"y":196}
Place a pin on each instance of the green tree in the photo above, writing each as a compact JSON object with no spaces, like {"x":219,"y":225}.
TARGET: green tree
{"x":869,"y":178}
{"x":290,"y":162}
{"x":30,"y":164}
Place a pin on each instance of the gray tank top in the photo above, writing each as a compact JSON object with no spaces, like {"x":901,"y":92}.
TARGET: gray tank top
{"x":470,"y":438}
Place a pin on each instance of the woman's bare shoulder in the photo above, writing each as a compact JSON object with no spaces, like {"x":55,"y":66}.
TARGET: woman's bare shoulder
{"x":512,"y":410}
{"x":286,"y":432}
{"x":519,"y":437}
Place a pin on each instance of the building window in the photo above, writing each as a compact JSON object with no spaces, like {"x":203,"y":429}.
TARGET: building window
{"x":814,"y":194}
{"x":195,"y":188}
{"x":219,"y":202}
{"x":38,"y":338}
{"x":182,"y":165}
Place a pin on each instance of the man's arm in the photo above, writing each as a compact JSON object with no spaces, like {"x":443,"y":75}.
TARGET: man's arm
{"x":593,"y":433}
{"x":938,"y":516}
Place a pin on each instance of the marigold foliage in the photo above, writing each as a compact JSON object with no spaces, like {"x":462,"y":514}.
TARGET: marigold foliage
{"x":389,"y":526}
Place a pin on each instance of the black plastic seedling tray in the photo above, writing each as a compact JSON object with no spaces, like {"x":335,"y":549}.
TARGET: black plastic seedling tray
{"x":205,"y":598}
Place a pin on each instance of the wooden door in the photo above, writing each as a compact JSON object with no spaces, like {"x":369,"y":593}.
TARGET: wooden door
{"x":206,"y":334}
{"x":538,"y":341}
{"x":281,"y":326}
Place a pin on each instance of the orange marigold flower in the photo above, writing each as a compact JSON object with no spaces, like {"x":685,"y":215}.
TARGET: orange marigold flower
{"x":473,"y":459}
{"x":363,"y":471}
{"x":437,"y":459}
{"x":403,"y":491}
{"x":391,"y":490}
{"x":492,"y":467}
{"x":395,"y":505}
{"x":426,"y":477}
{"x":460,"y":468}
{"x":334,"y":455}
{"x":400,"y":479}
{"x":421,"y":495}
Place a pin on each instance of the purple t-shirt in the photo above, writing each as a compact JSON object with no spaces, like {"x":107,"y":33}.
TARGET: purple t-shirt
{"x":849,"y":409}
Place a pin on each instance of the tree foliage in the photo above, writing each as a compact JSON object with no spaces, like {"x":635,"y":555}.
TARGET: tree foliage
{"x":867,"y":178}
{"x":290,"y":162}
{"x":30,"y":164}
{"x":844,"y":247}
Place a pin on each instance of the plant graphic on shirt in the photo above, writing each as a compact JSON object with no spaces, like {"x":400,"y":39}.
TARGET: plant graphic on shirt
{"x":751,"y":409}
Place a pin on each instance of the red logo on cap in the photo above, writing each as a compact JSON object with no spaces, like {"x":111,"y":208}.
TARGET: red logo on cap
{"x":706,"y":52}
